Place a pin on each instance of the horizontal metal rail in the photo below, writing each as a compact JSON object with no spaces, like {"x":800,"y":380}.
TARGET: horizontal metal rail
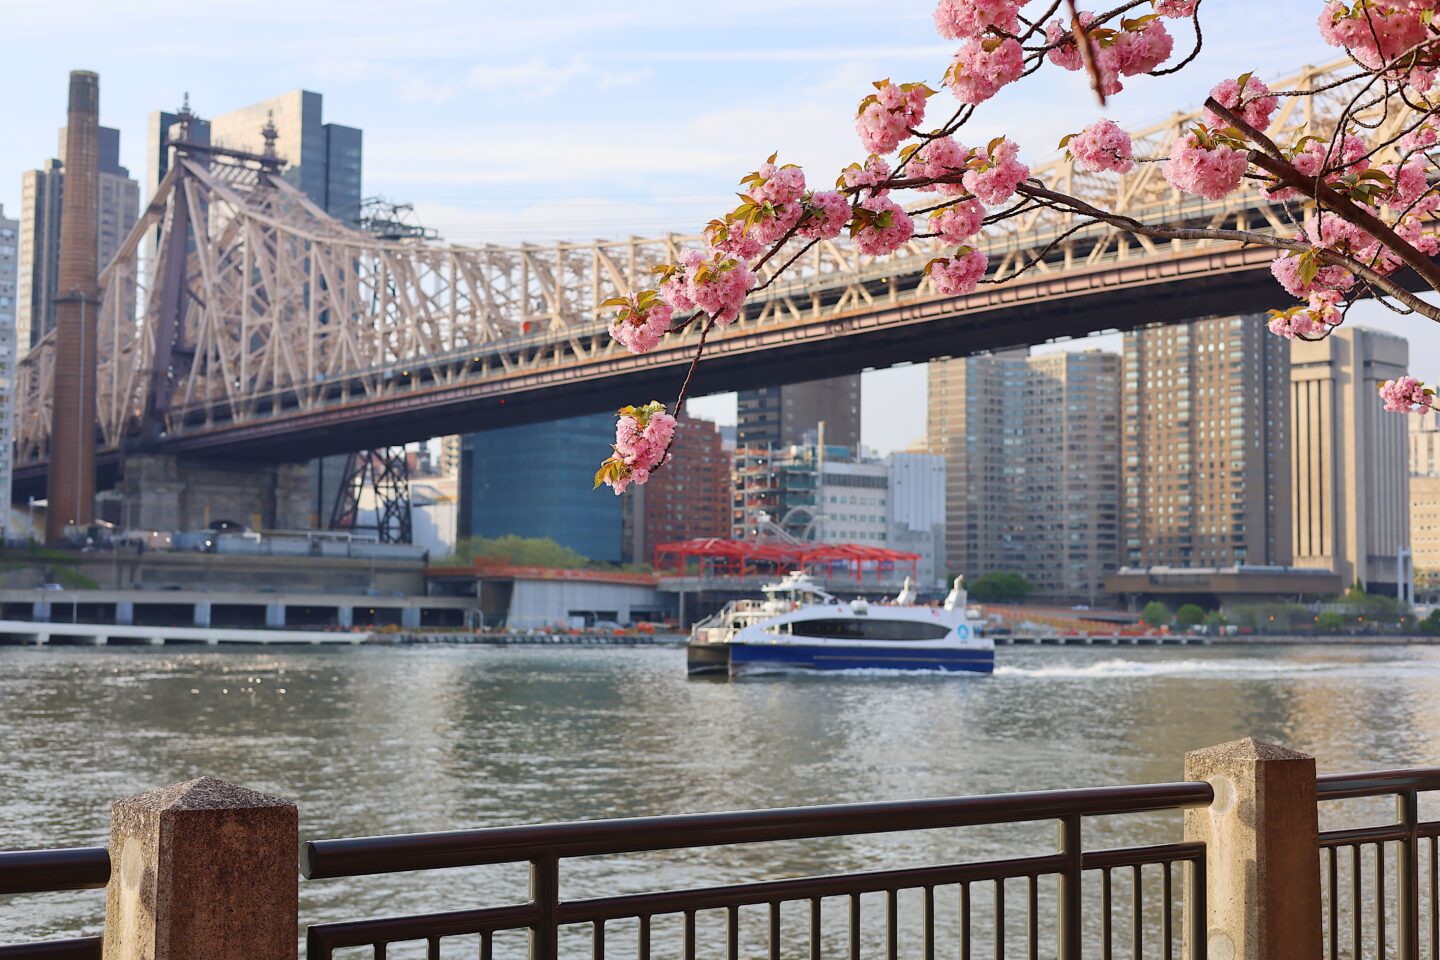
{"x":323,"y":859}
{"x":1370,"y":846}
{"x":50,"y":871}
{"x":546,"y":846}
{"x":53,"y":871}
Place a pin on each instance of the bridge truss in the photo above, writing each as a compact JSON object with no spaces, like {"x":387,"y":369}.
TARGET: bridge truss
{"x":235,"y":301}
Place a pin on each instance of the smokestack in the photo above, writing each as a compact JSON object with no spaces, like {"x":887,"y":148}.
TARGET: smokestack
{"x":70,"y":483}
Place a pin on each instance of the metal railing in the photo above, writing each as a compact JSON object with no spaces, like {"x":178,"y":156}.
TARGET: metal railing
{"x":54,"y":871}
{"x":1369,"y":849}
{"x":980,"y":888}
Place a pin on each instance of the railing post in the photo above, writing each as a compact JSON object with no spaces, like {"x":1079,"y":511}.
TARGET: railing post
{"x":1261,"y":839}
{"x":202,"y":869}
{"x":1407,"y":884}
{"x":1070,"y":902}
{"x":545,"y":894}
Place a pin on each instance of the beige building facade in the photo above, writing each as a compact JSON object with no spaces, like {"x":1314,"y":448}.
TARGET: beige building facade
{"x":1351,"y":508}
{"x":1032,"y":467}
{"x":1206,"y":445}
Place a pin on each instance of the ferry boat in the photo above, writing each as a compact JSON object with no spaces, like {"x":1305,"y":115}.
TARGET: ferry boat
{"x":799,"y":627}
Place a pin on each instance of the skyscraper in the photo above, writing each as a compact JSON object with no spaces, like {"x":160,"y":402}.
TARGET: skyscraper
{"x":536,"y":481}
{"x":689,"y":497}
{"x":1352,"y":497}
{"x":789,"y":415}
{"x":1032,"y":471}
{"x":41,"y":195}
{"x":1206,"y":445}
{"x":161,"y":129}
{"x":1424,"y":445}
{"x":9,"y":273}
{"x":915,"y":512}
{"x":322,"y":159}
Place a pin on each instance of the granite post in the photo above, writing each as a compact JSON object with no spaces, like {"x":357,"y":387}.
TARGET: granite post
{"x":203,"y":870}
{"x":1261,"y":838}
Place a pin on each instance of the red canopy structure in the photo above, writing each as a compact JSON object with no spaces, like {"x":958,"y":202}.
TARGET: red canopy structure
{"x":740,"y":558}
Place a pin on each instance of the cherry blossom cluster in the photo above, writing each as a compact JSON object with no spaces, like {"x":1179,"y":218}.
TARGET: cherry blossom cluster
{"x":1366,"y":206}
{"x":642,"y":443}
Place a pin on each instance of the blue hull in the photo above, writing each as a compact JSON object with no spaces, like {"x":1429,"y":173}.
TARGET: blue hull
{"x":736,"y":658}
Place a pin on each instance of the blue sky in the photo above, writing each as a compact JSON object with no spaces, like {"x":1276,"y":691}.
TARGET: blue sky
{"x":507,"y":121}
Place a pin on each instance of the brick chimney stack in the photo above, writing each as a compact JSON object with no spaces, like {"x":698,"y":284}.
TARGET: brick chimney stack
{"x":70,"y":485}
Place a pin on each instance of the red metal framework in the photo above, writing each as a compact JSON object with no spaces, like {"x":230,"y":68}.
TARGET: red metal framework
{"x":740,"y":558}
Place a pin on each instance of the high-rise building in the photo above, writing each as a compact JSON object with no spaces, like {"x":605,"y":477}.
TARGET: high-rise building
{"x":1425,"y":532}
{"x":915,"y":513}
{"x":1351,"y":508}
{"x":1424,"y":445}
{"x":9,"y":275}
{"x":688,"y":498}
{"x":790,"y":415}
{"x":1032,"y":466}
{"x":536,"y":481}
{"x":41,"y":194}
{"x":1206,"y":445}
{"x":161,"y":129}
{"x":321,"y":159}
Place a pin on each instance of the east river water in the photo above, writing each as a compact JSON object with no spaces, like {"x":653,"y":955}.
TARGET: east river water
{"x":388,"y":740}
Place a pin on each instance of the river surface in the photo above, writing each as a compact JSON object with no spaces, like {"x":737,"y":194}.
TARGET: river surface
{"x":388,"y":740}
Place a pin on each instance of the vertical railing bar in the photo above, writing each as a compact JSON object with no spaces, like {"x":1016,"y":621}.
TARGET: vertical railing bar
{"x":854,"y":927}
{"x":597,"y":944}
{"x":1380,"y":900}
{"x":1357,"y":924}
{"x":1071,"y":904}
{"x":999,"y":920}
{"x":380,"y":951}
{"x":892,"y":924}
{"x":929,"y":922}
{"x":432,"y":948}
{"x":1407,"y":877}
{"x":1032,"y":920}
{"x":1107,"y":904}
{"x":1167,"y":929}
{"x":775,"y":930}
{"x":1197,"y":909}
{"x":644,"y":944}
{"x":1137,"y":931}
{"x":964,"y":921}
{"x":1435,"y":898}
{"x":487,"y":944}
{"x":1334,"y":910}
{"x":545,"y":894}
{"x":815,"y":949}
{"x":732,"y":933}
{"x":689,"y":935}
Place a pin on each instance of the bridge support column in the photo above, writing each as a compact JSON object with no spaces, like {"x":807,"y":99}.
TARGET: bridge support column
{"x":274,"y":614}
{"x":202,"y":613}
{"x":41,"y":611}
{"x":345,"y":617}
{"x":1262,"y":896}
{"x":167,"y":493}
{"x":125,"y":613}
{"x":410,"y":618}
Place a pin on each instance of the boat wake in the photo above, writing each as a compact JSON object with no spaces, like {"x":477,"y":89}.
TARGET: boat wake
{"x":1120,"y":668}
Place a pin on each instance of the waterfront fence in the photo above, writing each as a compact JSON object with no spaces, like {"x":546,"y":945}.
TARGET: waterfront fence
{"x":1243,"y":884}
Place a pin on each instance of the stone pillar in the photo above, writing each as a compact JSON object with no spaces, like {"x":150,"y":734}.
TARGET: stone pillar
{"x":274,"y":614}
{"x":1261,"y":838}
{"x":410,"y":617}
{"x":202,"y":613}
{"x":41,"y":611}
{"x":345,"y":617}
{"x":125,"y":613}
{"x":203,"y":870}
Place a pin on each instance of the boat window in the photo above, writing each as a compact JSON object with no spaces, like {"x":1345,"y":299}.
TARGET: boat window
{"x":869,"y":629}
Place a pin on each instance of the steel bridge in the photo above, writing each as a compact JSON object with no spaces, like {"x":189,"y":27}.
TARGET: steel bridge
{"x":241,"y":321}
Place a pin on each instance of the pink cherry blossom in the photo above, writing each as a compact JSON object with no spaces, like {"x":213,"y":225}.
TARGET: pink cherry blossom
{"x":715,"y":285}
{"x":732,"y":240}
{"x":827,"y":213}
{"x":960,"y":222}
{"x":778,"y":185}
{"x":1419,"y":139}
{"x":1102,"y":146}
{"x":1176,"y":8}
{"x":1209,"y":173}
{"x":977,"y":74}
{"x":875,"y":171}
{"x":888,"y":115}
{"x":994,"y":177}
{"x":1138,"y":51}
{"x":642,"y":442}
{"x":958,"y":275}
{"x":1065,"y":54}
{"x":641,"y":329}
{"x":1410,"y":182}
{"x":1376,"y":33}
{"x":968,"y":19}
{"x":774,"y":224}
{"x":889,"y":229}
{"x":1406,"y":395}
{"x":1287,"y":267}
{"x":942,"y":157}
{"x":1259,"y":103}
